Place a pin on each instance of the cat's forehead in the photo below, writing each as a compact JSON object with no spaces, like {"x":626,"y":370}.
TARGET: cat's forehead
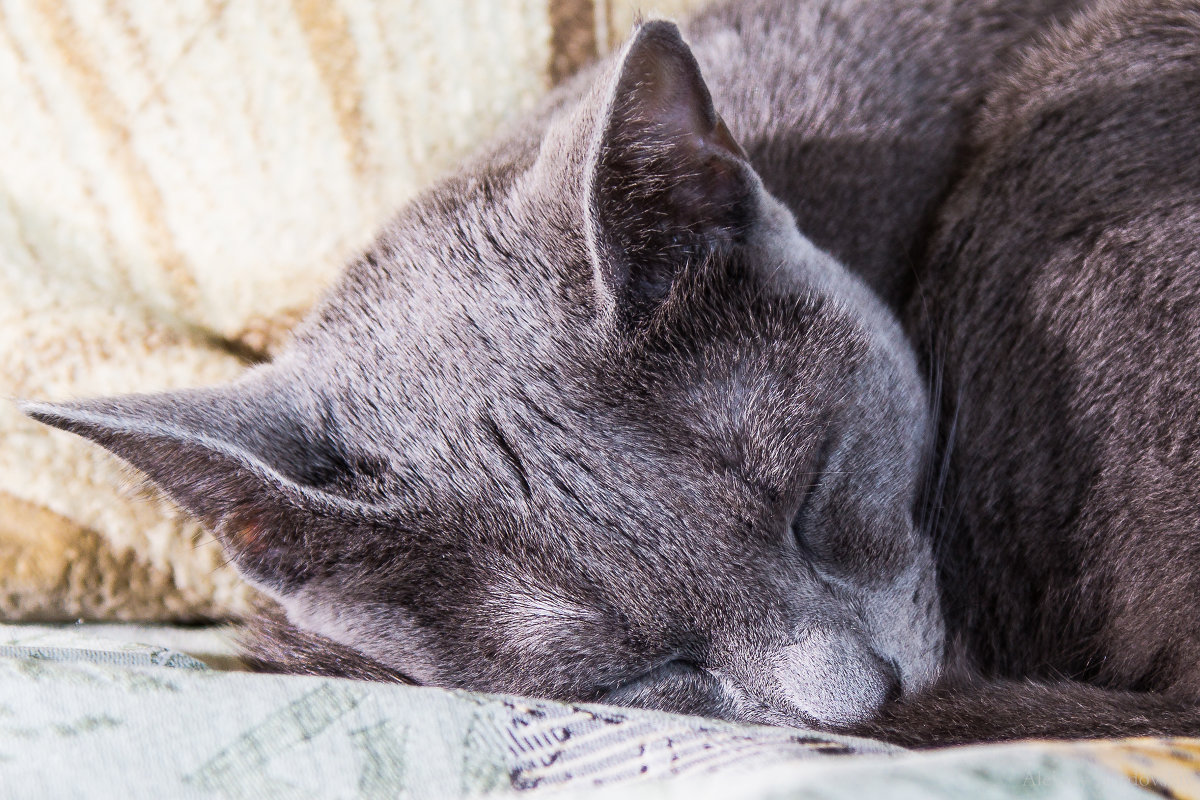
{"x":467,"y":334}
{"x":484,"y":268}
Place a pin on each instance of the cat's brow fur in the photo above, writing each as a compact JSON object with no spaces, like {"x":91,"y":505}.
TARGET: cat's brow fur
{"x":592,"y":419}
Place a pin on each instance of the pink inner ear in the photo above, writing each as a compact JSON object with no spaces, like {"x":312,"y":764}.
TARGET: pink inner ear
{"x":248,"y":536}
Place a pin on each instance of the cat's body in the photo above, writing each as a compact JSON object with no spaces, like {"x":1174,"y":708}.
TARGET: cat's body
{"x":591,"y":420}
{"x":1062,"y":291}
{"x":854,"y":112}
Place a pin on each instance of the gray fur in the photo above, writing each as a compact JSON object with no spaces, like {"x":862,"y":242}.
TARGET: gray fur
{"x":592,"y":419}
{"x":1063,"y":292}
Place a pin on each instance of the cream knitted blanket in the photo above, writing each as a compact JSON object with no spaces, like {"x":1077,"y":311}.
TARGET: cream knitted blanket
{"x":178,"y":181}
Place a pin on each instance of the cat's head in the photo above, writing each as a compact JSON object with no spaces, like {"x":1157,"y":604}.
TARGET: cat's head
{"x":590,"y":421}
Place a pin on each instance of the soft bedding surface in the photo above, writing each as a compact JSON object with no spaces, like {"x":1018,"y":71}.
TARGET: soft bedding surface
{"x":85,"y":713}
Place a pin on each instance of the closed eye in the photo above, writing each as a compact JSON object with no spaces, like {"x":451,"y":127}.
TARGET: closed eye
{"x":678,"y":686}
{"x":666,"y":670}
{"x":802,"y":522}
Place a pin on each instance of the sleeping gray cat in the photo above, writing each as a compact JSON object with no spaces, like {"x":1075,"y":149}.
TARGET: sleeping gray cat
{"x":592,"y":419}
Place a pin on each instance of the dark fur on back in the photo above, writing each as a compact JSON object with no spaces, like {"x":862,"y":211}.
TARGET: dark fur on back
{"x":855,"y":112}
{"x":1063,"y":292}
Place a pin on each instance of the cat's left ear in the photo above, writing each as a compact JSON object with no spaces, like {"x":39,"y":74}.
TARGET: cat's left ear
{"x":254,"y":461}
{"x":668,"y":183}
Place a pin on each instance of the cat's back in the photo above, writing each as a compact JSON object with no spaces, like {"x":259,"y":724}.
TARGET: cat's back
{"x":1062,"y":306}
{"x":853,"y":111}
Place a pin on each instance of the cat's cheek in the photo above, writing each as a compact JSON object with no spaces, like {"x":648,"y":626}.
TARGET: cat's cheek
{"x":385,"y":636}
{"x":906,"y":627}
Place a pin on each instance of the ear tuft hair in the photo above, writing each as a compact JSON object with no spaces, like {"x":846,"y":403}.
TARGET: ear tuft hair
{"x":669,"y":182}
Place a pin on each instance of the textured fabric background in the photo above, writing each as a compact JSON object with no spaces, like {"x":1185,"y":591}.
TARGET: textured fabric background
{"x":178,"y":181}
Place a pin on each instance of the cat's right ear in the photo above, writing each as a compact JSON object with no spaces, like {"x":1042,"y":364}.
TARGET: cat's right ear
{"x":246,"y":460}
{"x":666,"y":182}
